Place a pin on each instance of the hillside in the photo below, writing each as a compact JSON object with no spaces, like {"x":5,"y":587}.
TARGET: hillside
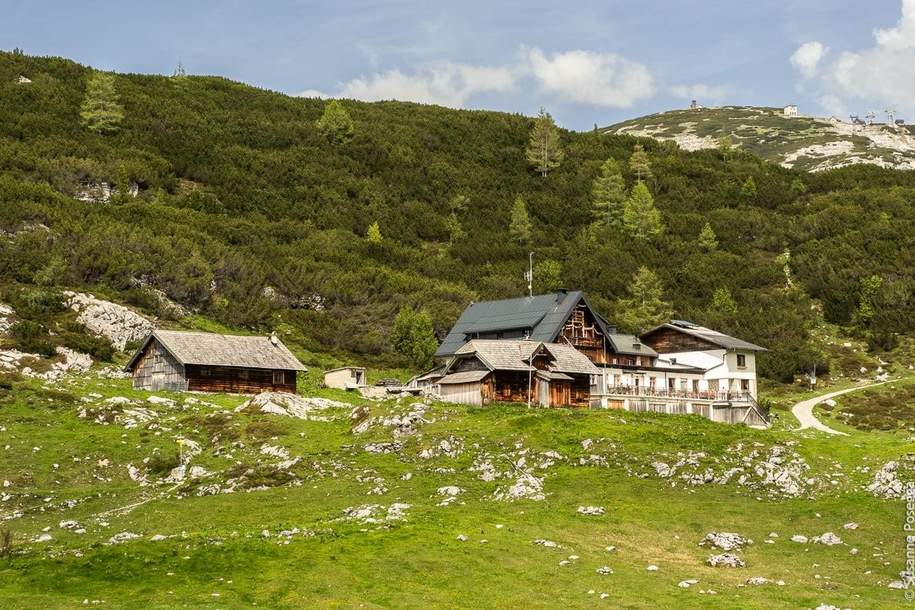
{"x":124,"y":499}
{"x":220,"y":202}
{"x":799,"y":142}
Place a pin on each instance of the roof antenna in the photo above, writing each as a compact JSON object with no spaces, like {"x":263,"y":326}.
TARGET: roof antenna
{"x":529,"y":274}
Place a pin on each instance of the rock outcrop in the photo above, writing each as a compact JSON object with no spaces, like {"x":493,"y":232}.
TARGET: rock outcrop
{"x":117,"y":323}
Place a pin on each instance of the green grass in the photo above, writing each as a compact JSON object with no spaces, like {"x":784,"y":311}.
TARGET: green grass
{"x":216,"y":545}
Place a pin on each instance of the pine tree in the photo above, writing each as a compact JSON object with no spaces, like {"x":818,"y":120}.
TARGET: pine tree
{"x":373,"y":235}
{"x":335,"y":124}
{"x":520,"y":224}
{"x":100,"y":111}
{"x":544,"y":150}
{"x":640,"y":164}
{"x":641,"y":219}
{"x":708,"y":241}
{"x":609,"y":195}
{"x":748,"y":190}
{"x":645,"y":306}
{"x":798,"y":187}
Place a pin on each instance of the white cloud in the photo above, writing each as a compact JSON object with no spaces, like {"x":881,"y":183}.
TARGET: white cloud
{"x":444,"y":83}
{"x":311,"y":93}
{"x":585,"y":77}
{"x":807,"y":57}
{"x":833,"y":105}
{"x":707,"y":94}
{"x":881,"y":76}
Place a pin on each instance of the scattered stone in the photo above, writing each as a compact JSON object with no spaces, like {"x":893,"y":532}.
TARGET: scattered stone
{"x":547,"y":543}
{"x":829,"y":539}
{"x":686,"y":584}
{"x":886,"y":483}
{"x":652,"y":568}
{"x":758,"y":580}
{"x":462,"y":538}
{"x":526,"y":486}
{"x":726,"y":541}
{"x":122,"y":537}
{"x":604,"y":570}
{"x":590,"y":510}
{"x":725,"y":560}
{"x":851,"y":525}
{"x":291,"y":405}
{"x":799,"y":538}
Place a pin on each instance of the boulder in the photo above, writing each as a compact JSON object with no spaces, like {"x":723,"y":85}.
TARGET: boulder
{"x":726,"y":541}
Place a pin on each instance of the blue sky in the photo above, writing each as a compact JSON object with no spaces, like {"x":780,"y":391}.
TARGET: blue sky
{"x":587,"y":62}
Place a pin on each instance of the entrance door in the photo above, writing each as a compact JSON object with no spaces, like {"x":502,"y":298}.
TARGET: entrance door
{"x":560,"y":394}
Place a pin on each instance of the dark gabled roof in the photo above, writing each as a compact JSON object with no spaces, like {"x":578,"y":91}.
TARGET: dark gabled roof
{"x":712,"y":336}
{"x":543,"y":314}
{"x":516,"y":355}
{"x":630,"y":345}
{"x":210,"y":349}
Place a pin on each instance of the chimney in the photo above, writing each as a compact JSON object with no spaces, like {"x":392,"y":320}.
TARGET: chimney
{"x":274,"y":339}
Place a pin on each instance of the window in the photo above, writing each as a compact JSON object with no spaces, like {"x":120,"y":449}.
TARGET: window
{"x":742,"y":360}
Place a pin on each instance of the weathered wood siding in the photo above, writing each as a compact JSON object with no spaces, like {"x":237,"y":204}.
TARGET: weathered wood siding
{"x":239,"y":380}
{"x":668,"y":340}
{"x":157,"y":370}
{"x":462,"y":393}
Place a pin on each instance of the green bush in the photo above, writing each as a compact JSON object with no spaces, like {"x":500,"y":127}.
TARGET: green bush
{"x":32,"y":337}
{"x":97,"y":347}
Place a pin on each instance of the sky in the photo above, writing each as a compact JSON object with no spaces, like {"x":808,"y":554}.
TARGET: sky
{"x":587,"y":62}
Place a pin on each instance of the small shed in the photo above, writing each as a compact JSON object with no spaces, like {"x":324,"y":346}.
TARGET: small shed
{"x":790,"y":110}
{"x":345,"y":378}
{"x":209,"y":362}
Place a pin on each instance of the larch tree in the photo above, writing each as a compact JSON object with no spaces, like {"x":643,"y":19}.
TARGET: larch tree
{"x":335,"y":124}
{"x":544,"y":150}
{"x":520,"y":225}
{"x":609,"y":195}
{"x":748,"y":189}
{"x":645,"y":306}
{"x":640,"y":164}
{"x":708,"y":241}
{"x":640,"y":216}
{"x":373,"y":235}
{"x":101,"y":111}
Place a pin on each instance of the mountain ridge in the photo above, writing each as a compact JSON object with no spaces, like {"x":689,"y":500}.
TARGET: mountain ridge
{"x":808,"y":143}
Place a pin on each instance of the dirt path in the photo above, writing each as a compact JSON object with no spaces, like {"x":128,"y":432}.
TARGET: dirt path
{"x":803,"y":410}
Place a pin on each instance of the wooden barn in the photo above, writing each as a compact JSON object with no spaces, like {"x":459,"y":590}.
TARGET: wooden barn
{"x":545,"y":374}
{"x":208,"y":362}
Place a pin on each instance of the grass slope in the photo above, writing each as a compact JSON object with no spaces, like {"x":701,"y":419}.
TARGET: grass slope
{"x":216,"y":555}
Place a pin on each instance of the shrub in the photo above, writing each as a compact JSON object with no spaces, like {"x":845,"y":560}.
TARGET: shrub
{"x":163,"y":462}
{"x":97,"y":347}
{"x":29,"y":336}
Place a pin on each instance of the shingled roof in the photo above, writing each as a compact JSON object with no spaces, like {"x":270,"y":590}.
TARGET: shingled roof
{"x":210,"y":349}
{"x":542,"y":315}
{"x":712,"y":336}
{"x":515,"y":355}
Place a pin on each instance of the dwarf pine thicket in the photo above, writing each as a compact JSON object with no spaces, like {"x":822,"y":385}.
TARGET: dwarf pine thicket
{"x":248,"y":212}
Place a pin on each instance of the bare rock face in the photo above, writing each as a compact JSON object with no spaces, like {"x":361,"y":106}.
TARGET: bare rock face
{"x":291,"y":405}
{"x":117,"y":323}
{"x":6,"y":321}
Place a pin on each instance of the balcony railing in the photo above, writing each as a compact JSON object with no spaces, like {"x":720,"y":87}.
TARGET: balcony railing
{"x":722,"y":395}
